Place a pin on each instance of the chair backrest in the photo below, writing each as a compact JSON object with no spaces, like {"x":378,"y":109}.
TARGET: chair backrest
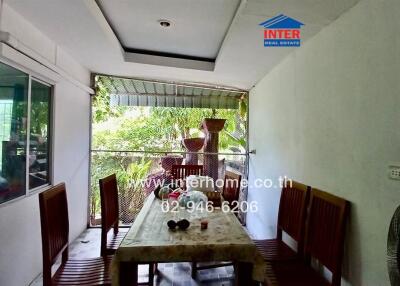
{"x":293,"y":211}
{"x":231,"y":189}
{"x":109,"y":208}
{"x":180,"y":172}
{"x":55,"y":227}
{"x":326,"y":231}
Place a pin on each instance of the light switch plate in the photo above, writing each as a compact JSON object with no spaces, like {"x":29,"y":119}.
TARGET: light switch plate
{"x":394,"y":171}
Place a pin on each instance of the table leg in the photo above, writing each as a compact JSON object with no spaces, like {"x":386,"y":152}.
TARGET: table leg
{"x":244,"y":273}
{"x":152,"y":271}
{"x":128,"y":274}
{"x":194,"y":270}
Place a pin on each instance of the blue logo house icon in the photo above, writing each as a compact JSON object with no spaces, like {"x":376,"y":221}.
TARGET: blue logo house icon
{"x":282,"y":31}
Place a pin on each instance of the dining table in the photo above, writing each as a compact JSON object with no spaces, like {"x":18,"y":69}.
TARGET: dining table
{"x":149,"y":240}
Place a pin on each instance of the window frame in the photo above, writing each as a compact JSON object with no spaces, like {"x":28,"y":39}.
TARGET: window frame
{"x":50,"y":139}
{"x":38,"y":78}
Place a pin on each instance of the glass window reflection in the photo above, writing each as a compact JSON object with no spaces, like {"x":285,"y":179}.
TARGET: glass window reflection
{"x":39,"y":134}
{"x":13,"y":126}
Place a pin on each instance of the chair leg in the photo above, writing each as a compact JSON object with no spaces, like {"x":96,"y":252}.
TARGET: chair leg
{"x":243,"y":273}
{"x":194,"y":270}
{"x":155,"y":268}
{"x":151,"y":274}
{"x":128,"y":274}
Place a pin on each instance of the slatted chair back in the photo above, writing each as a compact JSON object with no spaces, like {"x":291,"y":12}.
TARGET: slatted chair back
{"x":109,"y":208}
{"x":231,"y":189}
{"x":293,"y":211}
{"x":180,"y":172}
{"x":326,"y":231}
{"x":55,"y":227}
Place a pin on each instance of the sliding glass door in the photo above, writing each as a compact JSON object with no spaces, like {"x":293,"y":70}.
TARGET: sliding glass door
{"x":25,"y":116}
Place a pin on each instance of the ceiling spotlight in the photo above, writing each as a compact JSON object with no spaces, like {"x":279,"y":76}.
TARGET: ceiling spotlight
{"x":164,"y":23}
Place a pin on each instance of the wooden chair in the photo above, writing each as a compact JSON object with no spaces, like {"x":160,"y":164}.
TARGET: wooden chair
{"x":291,"y":220}
{"x":324,"y":242}
{"x":180,"y":172}
{"x":110,"y":219}
{"x":231,"y":189}
{"x":109,"y":215}
{"x":230,"y":193}
{"x":55,"y":231}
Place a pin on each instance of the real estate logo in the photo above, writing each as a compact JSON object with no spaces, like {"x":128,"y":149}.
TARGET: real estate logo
{"x":282,"y":31}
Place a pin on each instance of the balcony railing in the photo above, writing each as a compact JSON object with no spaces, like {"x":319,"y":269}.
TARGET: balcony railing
{"x":139,"y":172}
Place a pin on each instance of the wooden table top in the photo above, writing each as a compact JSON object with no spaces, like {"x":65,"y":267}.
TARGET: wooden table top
{"x":150,"y":240}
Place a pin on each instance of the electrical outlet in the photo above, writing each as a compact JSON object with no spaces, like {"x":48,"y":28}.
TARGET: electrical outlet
{"x":394,"y":172}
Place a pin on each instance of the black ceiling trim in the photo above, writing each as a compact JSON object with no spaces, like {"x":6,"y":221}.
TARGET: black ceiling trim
{"x":168,"y":55}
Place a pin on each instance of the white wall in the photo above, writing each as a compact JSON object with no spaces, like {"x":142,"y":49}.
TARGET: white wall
{"x":328,"y":116}
{"x":20,"y":239}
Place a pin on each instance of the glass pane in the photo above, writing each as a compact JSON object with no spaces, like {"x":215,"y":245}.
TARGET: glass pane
{"x":13,"y":121}
{"x":39,"y":135}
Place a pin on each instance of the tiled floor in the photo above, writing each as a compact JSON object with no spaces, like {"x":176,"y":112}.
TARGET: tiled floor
{"x":87,"y":245}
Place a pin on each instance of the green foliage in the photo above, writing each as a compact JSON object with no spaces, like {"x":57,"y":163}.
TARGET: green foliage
{"x":130,"y":176}
{"x":130,"y":172}
{"x":40,"y":117}
{"x":179,"y":122}
{"x":162,"y":129}
{"x":102,"y":110}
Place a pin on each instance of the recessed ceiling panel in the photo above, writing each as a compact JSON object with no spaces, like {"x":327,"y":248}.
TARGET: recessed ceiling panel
{"x":196,"y":30}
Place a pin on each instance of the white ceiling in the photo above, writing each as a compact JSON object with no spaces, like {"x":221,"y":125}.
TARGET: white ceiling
{"x":198,"y":34}
{"x":80,"y":27}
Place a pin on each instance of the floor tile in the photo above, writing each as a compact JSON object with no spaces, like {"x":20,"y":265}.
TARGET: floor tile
{"x":87,"y":245}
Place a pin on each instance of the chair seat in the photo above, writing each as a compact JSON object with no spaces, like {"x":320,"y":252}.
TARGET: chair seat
{"x":292,"y":273}
{"x":86,"y":272}
{"x":275,"y":250}
{"x":113,"y":241}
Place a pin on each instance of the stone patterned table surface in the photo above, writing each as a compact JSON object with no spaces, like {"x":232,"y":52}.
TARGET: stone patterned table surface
{"x":150,"y":240}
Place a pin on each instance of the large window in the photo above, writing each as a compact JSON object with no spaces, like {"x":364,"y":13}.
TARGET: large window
{"x":25,"y":115}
